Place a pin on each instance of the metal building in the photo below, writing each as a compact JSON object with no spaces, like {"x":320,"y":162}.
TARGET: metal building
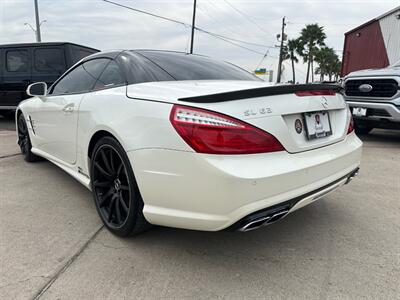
{"x":375,"y":44}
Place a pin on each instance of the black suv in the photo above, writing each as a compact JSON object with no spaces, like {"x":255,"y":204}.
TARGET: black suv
{"x":22,"y":64}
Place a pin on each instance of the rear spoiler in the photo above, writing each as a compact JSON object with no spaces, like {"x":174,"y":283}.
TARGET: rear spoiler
{"x":260,"y":92}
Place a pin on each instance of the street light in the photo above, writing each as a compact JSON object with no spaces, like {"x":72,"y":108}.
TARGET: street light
{"x":33,"y":29}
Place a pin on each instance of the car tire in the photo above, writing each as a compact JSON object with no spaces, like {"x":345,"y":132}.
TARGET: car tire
{"x":115,"y":190}
{"x":24,"y":140}
{"x":362,"y":130}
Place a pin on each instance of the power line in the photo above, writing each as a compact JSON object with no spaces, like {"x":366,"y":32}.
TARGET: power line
{"x":216,"y":22}
{"x":217,"y":9}
{"x":148,"y":13}
{"x":230,"y":42}
{"x":248,"y":18}
{"x":222,"y":37}
{"x":262,"y":59}
{"x":235,"y":40}
{"x":230,"y":38}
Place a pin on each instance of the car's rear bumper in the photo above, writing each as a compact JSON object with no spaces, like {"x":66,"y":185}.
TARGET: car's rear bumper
{"x":212,"y":192}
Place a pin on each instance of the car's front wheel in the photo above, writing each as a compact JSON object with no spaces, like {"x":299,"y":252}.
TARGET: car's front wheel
{"x":24,"y":140}
{"x":115,"y":190}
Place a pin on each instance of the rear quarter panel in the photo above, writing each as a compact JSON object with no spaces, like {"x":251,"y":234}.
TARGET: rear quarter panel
{"x":136,"y":124}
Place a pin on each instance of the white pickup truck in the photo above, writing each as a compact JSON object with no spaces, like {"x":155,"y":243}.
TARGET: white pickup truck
{"x":374,"y":98}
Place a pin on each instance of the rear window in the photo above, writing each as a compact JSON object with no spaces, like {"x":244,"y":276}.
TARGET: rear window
{"x":193,"y":67}
{"x":50,"y":60}
{"x":17,"y":61}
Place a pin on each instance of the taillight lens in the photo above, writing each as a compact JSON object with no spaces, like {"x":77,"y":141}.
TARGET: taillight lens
{"x":213,"y":133}
{"x":351,"y":125}
{"x":316,"y":93}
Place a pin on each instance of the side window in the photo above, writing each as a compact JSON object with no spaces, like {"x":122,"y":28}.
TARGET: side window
{"x":17,"y":61}
{"x":111,"y":76}
{"x":49,"y":60}
{"x":81,"y":79}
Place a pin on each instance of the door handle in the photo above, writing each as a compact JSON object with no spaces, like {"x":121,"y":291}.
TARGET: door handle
{"x":68,"y":108}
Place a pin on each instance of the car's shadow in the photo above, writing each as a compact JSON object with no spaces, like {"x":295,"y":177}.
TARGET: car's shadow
{"x":307,"y":230}
{"x":382,"y":136}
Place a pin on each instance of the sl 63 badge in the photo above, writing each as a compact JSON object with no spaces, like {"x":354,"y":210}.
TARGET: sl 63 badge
{"x":259,"y":111}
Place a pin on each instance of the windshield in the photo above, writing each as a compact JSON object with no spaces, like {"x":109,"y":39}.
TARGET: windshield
{"x":194,"y":67}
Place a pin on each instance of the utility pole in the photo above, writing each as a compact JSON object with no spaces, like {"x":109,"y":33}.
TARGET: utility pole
{"x":193,"y":26}
{"x":38,"y":36}
{"x":281,"y":51}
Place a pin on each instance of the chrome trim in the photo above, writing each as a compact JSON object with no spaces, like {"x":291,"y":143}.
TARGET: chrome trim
{"x":246,"y":227}
{"x":264,"y":221}
{"x":351,"y":177}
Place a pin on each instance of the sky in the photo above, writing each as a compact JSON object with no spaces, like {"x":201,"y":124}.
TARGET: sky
{"x":102,"y":25}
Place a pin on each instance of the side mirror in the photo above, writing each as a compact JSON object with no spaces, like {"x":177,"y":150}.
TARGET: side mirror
{"x":38,"y":89}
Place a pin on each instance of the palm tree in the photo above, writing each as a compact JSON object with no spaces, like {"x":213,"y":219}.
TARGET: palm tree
{"x":337,"y":68}
{"x":328,"y":62}
{"x":292,"y":47}
{"x":311,"y":38}
{"x":289,"y":52}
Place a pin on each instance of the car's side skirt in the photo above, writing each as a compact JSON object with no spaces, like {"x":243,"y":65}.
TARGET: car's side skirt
{"x":70,"y":169}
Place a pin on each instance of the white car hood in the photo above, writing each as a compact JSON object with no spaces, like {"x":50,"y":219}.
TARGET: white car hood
{"x":170,"y":91}
{"x":390,"y":71}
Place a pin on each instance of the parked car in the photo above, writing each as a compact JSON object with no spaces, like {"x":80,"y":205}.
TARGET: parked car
{"x":186,"y":141}
{"x":374,"y":98}
{"x":22,"y":64}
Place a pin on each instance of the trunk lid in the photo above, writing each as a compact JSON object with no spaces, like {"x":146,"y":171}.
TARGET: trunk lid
{"x":274,"y":108}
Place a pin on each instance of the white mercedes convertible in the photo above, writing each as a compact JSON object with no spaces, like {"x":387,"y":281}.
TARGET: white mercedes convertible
{"x":186,"y":141}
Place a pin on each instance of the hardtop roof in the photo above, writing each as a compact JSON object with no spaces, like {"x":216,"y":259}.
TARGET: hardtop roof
{"x":44,"y":45}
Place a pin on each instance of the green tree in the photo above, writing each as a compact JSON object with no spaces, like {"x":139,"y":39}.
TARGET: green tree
{"x":328,"y":63}
{"x":290,"y":52}
{"x":312,"y":37}
{"x":337,"y":68}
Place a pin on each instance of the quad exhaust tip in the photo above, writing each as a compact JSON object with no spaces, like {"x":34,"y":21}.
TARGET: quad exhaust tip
{"x":351,"y":176}
{"x":263,"y":221}
{"x":272,"y":215}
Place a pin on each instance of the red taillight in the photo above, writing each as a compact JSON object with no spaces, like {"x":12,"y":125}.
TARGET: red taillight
{"x":351,"y":125}
{"x":210,"y":132}
{"x":316,"y":93}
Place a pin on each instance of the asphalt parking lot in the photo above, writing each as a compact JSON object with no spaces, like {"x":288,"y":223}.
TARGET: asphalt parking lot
{"x":53,"y":245}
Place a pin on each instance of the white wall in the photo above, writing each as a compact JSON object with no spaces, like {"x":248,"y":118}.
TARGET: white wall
{"x":390,"y":27}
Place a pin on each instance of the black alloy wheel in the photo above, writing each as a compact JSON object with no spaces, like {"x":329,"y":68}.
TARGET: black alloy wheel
{"x":116,"y":194}
{"x":24,"y":141}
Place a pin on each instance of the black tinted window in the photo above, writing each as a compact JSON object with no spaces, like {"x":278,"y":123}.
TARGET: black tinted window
{"x":78,"y":53}
{"x":82,"y":78}
{"x":110,"y":77}
{"x":17,"y":61}
{"x":192,"y":67}
{"x":49,"y":60}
